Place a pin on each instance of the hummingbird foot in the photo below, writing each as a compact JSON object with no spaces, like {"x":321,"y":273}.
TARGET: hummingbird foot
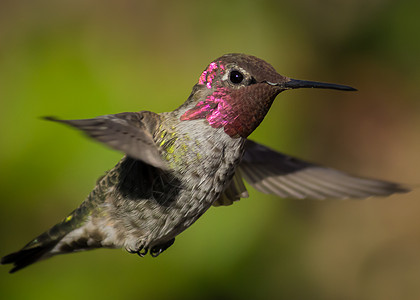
{"x":154,"y":251}
{"x":157,"y":250}
{"x":142,"y":252}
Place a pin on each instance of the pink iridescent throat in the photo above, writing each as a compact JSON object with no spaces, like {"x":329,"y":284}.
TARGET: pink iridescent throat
{"x":216,"y":108}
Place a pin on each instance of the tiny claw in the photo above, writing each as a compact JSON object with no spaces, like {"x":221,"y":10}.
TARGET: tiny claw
{"x":142,"y":252}
{"x":155,"y":251}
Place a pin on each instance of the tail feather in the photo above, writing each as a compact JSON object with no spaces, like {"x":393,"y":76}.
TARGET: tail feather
{"x":53,"y":241}
{"x":37,"y":249}
{"x":41,"y":247}
{"x":26,"y":257}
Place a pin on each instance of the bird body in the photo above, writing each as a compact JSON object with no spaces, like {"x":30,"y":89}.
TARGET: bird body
{"x":178,"y":164}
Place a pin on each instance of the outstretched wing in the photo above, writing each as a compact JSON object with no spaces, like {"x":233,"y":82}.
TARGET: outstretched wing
{"x":129,"y":132}
{"x":274,"y":173}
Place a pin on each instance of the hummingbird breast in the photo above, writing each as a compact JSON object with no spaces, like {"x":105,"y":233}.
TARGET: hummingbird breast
{"x":150,"y":206}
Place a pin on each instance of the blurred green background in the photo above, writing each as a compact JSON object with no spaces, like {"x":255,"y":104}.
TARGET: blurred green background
{"x":80,"y":59}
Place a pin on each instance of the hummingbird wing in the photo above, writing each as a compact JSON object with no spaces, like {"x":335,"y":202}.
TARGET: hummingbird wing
{"x":234,"y":192}
{"x":129,"y":132}
{"x":274,"y":173}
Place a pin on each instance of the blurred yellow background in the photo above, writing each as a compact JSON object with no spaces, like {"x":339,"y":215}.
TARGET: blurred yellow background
{"x":81,"y":59}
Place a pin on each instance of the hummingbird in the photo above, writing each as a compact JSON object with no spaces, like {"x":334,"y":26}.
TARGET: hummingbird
{"x":178,"y":164}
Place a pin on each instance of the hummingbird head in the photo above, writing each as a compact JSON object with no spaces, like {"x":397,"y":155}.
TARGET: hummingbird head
{"x":236,"y":91}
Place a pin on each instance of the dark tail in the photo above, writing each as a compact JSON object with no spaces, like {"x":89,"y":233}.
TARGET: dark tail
{"x":41,"y":247}
{"x":36,"y":249}
{"x":27,"y":256}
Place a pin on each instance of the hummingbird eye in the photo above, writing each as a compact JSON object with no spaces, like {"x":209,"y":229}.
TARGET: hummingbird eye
{"x":236,"y":77}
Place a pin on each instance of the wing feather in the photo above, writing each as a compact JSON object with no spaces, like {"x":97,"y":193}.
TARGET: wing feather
{"x":275,"y":173}
{"x":129,"y":132}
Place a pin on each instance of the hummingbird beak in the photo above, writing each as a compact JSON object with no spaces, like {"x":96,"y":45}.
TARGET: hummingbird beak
{"x":297,"y":84}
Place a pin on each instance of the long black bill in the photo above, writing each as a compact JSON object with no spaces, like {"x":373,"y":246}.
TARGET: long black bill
{"x":298,"y":84}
